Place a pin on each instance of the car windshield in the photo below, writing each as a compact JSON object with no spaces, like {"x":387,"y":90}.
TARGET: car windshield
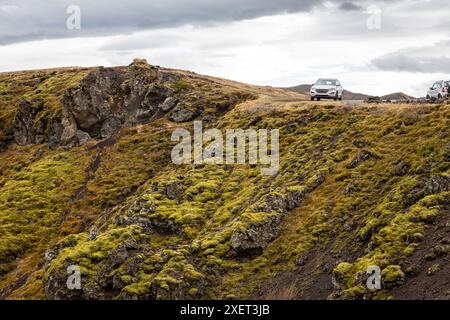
{"x":447,"y":84}
{"x":436,"y":85}
{"x":326,"y":82}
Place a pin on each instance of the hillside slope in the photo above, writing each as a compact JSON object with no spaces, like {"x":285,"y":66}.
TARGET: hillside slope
{"x":86,"y":179}
{"x":397,"y":96}
{"x":348,"y":95}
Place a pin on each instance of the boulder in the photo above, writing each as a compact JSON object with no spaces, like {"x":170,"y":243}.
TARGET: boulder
{"x":425,"y":187}
{"x":150,"y":223}
{"x":26,"y":128}
{"x":257,"y":237}
{"x":168,"y":104}
{"x":68,"y":136}
{"x":109,"y":127}
{"x":182,"y":114}
{"x":83,"y":137}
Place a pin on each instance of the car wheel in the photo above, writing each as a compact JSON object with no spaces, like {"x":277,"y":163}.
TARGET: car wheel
{"x":439,"y":97}
{"x":318,"y":99}
{"x":428,"y":97}
{"x":312,"y":99}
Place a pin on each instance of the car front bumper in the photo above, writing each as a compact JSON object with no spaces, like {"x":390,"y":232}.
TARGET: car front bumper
{"x":329,"y":95}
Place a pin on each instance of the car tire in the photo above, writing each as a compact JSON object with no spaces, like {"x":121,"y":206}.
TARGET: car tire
{"x":428,"y":97}
{"x":312,"y":99}
{"x":318,"y":99}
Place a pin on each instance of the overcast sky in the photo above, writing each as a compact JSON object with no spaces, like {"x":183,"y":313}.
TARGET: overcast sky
{"x":373,"y":47}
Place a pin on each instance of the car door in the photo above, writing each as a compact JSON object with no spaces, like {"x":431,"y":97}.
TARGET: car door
{"x":435,"y":89}
{"x":441,"y":89}
{"x":339,"y":88}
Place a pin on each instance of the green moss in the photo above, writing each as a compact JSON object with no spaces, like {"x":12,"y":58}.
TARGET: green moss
{"x":356,"y":292}
{"x":140,"y":288}
{"x":88,"y":254}
{"x":342,"y":272}
{"x":296,"y":189}
{"x":180,"y":85}
{"x":33,"y":200}
{"x":392,"y":274}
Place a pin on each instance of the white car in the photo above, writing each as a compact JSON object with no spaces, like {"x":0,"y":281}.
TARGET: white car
{"x":327,"y":89}
{"x":439,"y":90}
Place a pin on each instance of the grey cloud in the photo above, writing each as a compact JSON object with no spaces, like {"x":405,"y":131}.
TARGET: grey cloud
{"x":413,"y":64}
{"x":350,"y":6}
{"x":433,"y":59}
{"x":25,"y":20}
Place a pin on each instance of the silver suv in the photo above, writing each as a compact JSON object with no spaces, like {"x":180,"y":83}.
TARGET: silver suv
{"x":327,"y":89}
{"x":439,"y":90}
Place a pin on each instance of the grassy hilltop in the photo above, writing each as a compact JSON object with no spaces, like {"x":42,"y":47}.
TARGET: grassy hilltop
{"x":357,"y":186}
